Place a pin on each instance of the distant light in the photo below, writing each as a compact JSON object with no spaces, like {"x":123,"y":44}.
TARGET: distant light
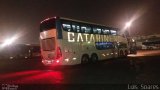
{"x":11,"y":57}
{"x":128,"y":24}
{"x":28,"y":44}
{"x":55,"y":17}
{"x":133,"y":40}
{"x":8,"y":41}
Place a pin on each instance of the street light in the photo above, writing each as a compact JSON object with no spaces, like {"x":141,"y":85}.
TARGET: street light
{"x":128,"y":24}
{"x":9,"y":41}
{"x":127,"y":28}
{"x":131,"y":41}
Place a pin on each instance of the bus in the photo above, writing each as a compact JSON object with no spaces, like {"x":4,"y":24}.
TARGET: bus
{"x":65,"y":41}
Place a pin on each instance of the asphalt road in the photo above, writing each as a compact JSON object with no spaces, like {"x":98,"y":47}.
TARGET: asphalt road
{"x":143,"y":68}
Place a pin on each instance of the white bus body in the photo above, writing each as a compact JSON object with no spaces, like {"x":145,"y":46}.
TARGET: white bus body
{"x":70,"y":42}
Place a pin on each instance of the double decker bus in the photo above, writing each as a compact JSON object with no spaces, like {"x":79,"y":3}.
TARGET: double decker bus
{"x":66,"y":41}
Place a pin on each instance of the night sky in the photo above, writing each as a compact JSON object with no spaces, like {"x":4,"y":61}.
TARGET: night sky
{"x":23,"y":16}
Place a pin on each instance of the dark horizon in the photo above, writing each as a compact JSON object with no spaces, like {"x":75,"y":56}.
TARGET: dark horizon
{"x":24,"y":17}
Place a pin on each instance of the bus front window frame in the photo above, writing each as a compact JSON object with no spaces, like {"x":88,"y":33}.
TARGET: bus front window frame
{"x":44,"y":46}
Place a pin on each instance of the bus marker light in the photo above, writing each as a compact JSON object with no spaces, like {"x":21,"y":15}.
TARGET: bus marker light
{"x":74,"y":58}
{"x":67,"y":60}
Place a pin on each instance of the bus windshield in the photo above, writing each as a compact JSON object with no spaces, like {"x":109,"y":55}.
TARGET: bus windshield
{"x":48,"y":44}
{"x":47,"y":25}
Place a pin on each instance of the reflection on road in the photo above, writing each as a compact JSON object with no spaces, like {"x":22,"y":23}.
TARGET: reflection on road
{"x":32,"y":77}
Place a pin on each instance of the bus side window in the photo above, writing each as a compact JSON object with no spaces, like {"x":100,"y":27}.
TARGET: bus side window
{"x":113,"y":32}
{"x":78,"y":28}
{"x":105,"y":31}
{"x":66,"y":26}
{"x":85,"y":29}
{"x":97,"y":30}
{"x":75,"y":27}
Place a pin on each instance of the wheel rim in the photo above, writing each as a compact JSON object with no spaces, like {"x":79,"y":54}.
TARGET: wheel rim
{"x":94,"y":58}
{"x":85,"y":60}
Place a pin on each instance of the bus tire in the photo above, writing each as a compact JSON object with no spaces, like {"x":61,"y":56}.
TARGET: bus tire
{"x":94,"y":58}
{"x":85,"y":59}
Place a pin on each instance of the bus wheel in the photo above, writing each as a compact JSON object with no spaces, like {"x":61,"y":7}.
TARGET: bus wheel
{"x":94,"y":58}
{"x":84,"y":59}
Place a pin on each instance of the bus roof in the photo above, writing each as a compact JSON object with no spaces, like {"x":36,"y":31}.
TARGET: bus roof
{"x":74,"y":20}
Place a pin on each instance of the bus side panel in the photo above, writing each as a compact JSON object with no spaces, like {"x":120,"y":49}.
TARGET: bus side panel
{"x":70,"y":50}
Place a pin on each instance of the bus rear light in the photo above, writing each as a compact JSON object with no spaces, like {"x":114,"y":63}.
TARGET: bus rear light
{"x":57,"y":61}
{"x":59,"y":54}
{"x":49,"y":61}
{"x":11,"y":57}
{"x":42,"y":61}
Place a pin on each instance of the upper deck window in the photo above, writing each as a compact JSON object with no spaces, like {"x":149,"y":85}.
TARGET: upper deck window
{"x":66,"y":26}
{"x":75,"y":27}
{"x":47,"y":25}
{"x":105,"y":31}
{"x":85,"y":29}
{"x":97,"y":30}
{"x":113,"y":32}
{"x":48,"y":44}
